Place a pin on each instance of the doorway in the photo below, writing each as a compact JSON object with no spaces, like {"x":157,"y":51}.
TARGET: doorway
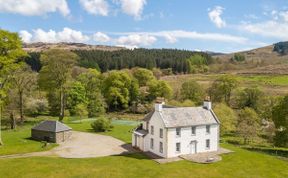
{"x":193,"y":147}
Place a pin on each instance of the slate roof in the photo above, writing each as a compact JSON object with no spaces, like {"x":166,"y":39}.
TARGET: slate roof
{"x":185,"y":116}
{"x":51,"y":126}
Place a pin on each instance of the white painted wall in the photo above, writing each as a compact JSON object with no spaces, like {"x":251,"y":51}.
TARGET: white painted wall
{"x":157,"y":122}
{"x":187,"y":137}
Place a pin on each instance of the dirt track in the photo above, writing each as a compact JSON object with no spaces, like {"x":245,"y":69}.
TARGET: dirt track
{"x":83,"y":145}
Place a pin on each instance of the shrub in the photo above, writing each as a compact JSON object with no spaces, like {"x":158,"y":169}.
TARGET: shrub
{"x":36,"y":107}
{"x":101,"y":125}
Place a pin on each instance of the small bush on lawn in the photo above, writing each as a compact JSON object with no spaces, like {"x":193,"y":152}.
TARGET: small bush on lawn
{"x":101,"y":125}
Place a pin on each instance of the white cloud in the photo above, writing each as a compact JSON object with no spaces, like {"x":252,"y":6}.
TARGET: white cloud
{"x":276,"y":27}
{"x":172,"y":36}
{"x":95,"y":7}
{"x":51,"y":36}
{"x":101,"y":37}
{"x":26,"y":36}
{"x":215,"y":16}
{"x":136,"y":40}
{"x":34,"y":7}
{"x":133,"y":7}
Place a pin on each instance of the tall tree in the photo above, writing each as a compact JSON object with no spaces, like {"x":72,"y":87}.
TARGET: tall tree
{"x":248,"y":124}
{"x":23,"y":80}
{"x":116,"y":89}
{"x":11,"y":54}
{"x":222,"y":87}
{"x":56,"y":72}
{"x":250,"y":97}
{"x":280,"y":119}
{"x":92,"y":80}
{"x":191,"y":90}
{"x":143,"y":76}
{"x":159,"y":88}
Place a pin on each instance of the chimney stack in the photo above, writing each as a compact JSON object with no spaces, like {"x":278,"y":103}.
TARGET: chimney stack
{"x":207,"y":104}
{"x":159,"y":104}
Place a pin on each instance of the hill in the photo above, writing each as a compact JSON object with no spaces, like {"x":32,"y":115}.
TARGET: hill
{"x":38,"y":47}
{"x":264,"y":60}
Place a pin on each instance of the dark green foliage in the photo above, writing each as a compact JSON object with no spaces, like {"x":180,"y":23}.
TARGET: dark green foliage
{"x":53,"y":103}
{"x":238,"y":57}
{"x":33,"y":60}
{"x":250,"y":97}
{"x":145,"y":58}
{"x":281,"y":47}
{"x":102,"y":124}
{"x":280,"y":119}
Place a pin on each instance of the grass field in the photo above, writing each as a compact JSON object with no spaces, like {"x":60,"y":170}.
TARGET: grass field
{"x":271,"y":85}
{"x":242,"y":163}
{"x":19,"y":141}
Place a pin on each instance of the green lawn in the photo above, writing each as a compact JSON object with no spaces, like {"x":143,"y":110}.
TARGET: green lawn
{"x":19,"y":141}
{"x":242,"y":163}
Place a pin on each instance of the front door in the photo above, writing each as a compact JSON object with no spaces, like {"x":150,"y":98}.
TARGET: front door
{"x":193,"y":147}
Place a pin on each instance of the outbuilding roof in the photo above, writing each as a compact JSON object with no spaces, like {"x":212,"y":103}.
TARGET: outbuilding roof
{"x":51,"y":126}
{"x":185,"y":116}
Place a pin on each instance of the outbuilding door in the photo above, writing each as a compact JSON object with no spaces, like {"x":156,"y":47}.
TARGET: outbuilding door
{"x":193,"y":147}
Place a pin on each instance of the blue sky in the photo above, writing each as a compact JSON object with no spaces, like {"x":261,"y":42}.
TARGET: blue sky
{"x":218,"y":25}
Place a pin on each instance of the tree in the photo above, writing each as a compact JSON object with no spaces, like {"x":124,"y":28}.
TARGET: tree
{"x":250,"y":97}
{"x":76,"y":96}
{"x":81,"y":111}
{"x":222,"y":87}
{"x":227,"y":117}
{"x":248,"y":124}
{"x":143,"y":76}
{"x":159,"y":88}
{"x":56,"y":72}
{"x":116,"y":89}
{"x":238,"y":57}
{"x":11,"y":54}
{"x":23,"y":80}
{"x":92,"y":81}
{"x":280,"y":119}
{"x":191,"y":90}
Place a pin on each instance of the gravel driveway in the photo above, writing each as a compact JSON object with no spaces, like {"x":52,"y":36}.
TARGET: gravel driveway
{"x":84,"y":145}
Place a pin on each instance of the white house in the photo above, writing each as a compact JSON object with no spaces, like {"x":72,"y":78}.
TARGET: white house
{"x":172,"y":131}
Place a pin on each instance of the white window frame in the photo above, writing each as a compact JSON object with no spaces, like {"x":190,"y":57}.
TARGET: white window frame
{"x":161,"y":147}
{"x":193,"y":128}
{"x":161,"y":133}
{"x":178,"y":135}
{"x":178,"y":149}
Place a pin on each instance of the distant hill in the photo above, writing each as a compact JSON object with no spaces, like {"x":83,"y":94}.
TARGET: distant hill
{"x":270,"y":59}
{"x":39,"y":47}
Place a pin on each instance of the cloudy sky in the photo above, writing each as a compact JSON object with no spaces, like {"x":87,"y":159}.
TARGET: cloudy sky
{"x":218,"y":25}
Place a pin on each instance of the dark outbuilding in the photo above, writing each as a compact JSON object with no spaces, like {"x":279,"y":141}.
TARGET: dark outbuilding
{"x":51,"y":131}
